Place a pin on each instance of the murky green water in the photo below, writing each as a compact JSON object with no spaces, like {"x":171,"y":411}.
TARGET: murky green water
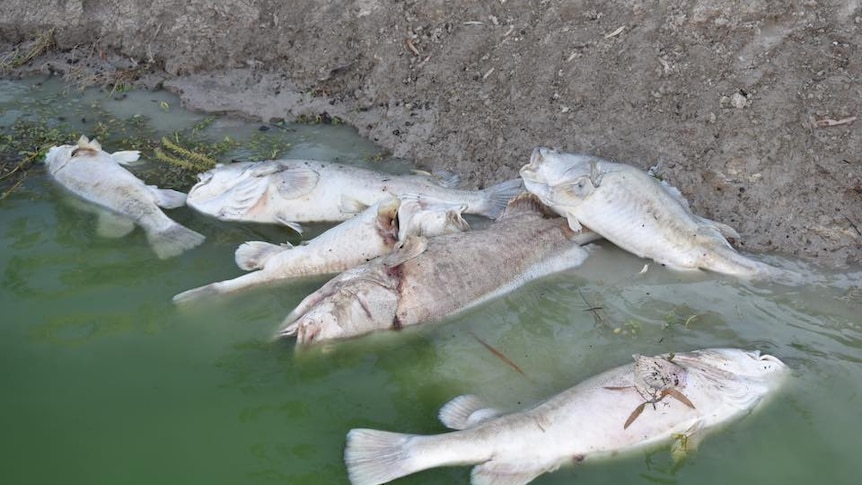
{"x":104,"y":380}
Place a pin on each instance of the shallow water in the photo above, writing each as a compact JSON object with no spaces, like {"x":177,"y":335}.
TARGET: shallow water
{"x":104,"y":380}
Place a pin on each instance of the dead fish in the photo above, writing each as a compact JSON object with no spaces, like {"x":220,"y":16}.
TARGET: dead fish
{"x":291,"y":192}
{"x":372,"y":233}
{"x":636,"y":212}
{"x":120,"y":199}
{"x":427,"y":280}
{"x":583,"y":423}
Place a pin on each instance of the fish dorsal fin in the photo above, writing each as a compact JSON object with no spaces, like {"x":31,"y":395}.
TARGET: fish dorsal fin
{"x":525,"y":203}
{"x":505,"y":473}
{"x":85,"y":146}
{"x":411,"y":247}
{"x":254,"y":254}
{"x":296,"y":182}
{"x":673,"y":192}
{"x":351,"y":205}
{"x":88,"y":144}
{"x":444,"y":178}
{"x":725,"y":230}
{"x":448,"y":179}
{"x":465,"y":412}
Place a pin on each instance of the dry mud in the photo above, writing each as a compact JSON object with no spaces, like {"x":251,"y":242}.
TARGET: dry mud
{"x":732,"y":100}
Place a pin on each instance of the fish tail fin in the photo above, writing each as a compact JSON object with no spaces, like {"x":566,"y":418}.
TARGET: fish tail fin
{"x":222,"y":287}
{"x":254,"y":254}
{"x":173,"y":240}
{"x":498,"y":196}
{"x":727,"y":260}
{"x":373,"y":457}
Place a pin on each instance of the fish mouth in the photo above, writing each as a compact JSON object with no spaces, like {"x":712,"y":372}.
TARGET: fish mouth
{"x":755,"y":354}
{"x":530,"y":171}
{"x":539,"y":154}
{"x":205,"y":177}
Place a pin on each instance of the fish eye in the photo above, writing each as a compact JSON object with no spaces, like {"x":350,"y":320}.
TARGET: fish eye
{"x":75,"y":151}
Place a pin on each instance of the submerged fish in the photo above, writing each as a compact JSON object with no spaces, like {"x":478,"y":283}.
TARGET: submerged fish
{"x":372,"y":233}
{"x":120,"y":199}
{"x":636,"y":212}
{"x":291,"y":192}
{"x":669,"y":398}
{"x":428,"y":280}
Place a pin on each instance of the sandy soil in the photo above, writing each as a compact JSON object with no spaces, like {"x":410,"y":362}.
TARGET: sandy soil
{"x":730,"y":99}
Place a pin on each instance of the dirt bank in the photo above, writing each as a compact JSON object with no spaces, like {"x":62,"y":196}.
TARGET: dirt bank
{"x":729,"y":98}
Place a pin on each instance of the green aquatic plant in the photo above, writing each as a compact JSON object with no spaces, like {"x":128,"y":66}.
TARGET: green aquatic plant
{"x":323,"y":118}
{"x":681,"y":315}
{"x":378,"y":157}
{"x":22,"y":145}
{"x":192,"y":159}
{"x":264,"y":146}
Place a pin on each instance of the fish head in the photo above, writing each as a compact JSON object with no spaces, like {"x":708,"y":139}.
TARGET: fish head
{"x":731,"y":378}
{"x":58,"y":156}
{"x":358,"y":306}
{"x":214,"y":182}
{"x":426,"y":216}
{"x":749,"y":364}
{"x":561,"y":178}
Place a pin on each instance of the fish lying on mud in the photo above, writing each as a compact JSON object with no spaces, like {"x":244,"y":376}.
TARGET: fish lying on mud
{"x":291,"y":192}
{"x":427,"y":280}
{"x":372,"y":233}
{"x":120,"y":199}
{"x":638,"y":213}
{"x":669,"y":398}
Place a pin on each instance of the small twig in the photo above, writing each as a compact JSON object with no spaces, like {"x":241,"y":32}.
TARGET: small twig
{"x":595,"y":310}
{"x":616,"y":32}
{"x":411,"y":46}
{"x":424,"y":61}
{"x":853,"y":226}
{"x":499,"y":354}
{"x":826,"y":122}
{"x":12,"y":189}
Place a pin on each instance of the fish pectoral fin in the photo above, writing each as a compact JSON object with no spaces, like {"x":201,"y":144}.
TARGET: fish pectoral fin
{"x":573,"y":223}
{"x":288,"y":223}
{"x":411,"y":247}
{"x":498,"y":473}
{"x":465,"y":412}
{"x":113,"y":225}
{"x":296,"y":182}
{"x":126,"y":157}
{"x":351,"y":205}
{"x":167,"y":198}
{"x":252,"y":255}
{"x":241,"y":198}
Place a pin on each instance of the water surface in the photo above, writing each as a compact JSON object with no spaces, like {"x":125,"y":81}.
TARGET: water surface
{"x":104,"y":380}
